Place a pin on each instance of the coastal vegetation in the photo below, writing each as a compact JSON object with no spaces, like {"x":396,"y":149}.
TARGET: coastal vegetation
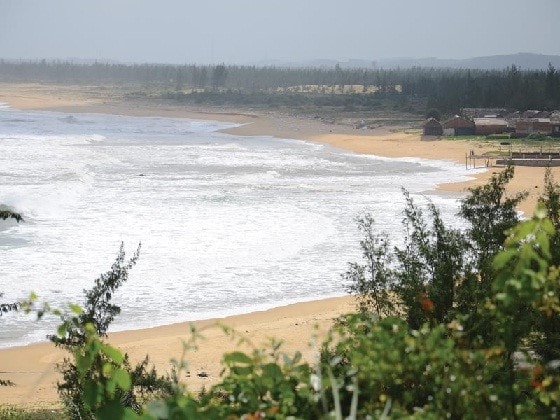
{"x":8,"y":214}
{"x":94,"y":317}
{"x":8,"y":306}
{"x":414,"y":89}
{"x":455,"y":322}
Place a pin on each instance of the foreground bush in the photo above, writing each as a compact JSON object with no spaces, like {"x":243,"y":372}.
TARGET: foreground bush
{"x":17,"y":413}
{"x":453,"y":325}
{"x":379,"y":367}
{"x":97,"y":376}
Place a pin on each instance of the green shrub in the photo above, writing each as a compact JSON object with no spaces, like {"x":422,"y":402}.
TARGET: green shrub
{"x":483,"y":362}
{"x":8,"y":306}
{"x":98,"y":375}
{"x":422,"y":372}
{"x":439,"y":272}
{"x":17,"y":413}
{"x":538,"y":137}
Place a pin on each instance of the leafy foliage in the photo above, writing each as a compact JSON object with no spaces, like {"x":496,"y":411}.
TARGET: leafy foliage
{"x":439,"y":272}
{"x":7,"y":307}
{"x":403,"y":371}
{"x":429,"y":362}
{"x":472,"y":378}
{"x":430,"y":266}
{"x":8,"y":214}
{"x":8,"y":412}
{"x":264,"y":383}
{"x":526,"y":296}
{"x":548,"y":346}
{"x":382,"y":368}
{"x":490,"y":214}
{"x":100,"y":377}
{"x":551,"y":201}
{"x":10,"y":306}
{"x":371,"y":281}
{"x":98,"y":309}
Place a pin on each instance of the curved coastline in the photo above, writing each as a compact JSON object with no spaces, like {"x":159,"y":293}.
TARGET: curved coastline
{"x":32,"y":367}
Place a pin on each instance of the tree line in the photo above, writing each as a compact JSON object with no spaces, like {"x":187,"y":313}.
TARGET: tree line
{"x":448,"y":90}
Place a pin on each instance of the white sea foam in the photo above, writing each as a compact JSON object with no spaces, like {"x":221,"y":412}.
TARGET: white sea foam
{"x":228,"y":224}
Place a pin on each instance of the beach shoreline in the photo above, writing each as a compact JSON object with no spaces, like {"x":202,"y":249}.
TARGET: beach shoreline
{"x":300,"y":326}
{"x":32,"y":367}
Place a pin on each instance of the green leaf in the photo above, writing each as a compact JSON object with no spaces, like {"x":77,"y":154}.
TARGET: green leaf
{"x":77,"y":309}
{"x":522,"y":230}
{"x":111,"y":386}
{"x":107,"y":370}
{"x":236,"y":358}
{"x":92,"y":394}
{"x":503,"y":258}
{"x":111,"y":410}
{"x":61,"y":330}
{"x":112,"y":353}
{"x":89,"y":328}
{"x":122,"y":379}
{"x":272,"y":370}
{"x":241,"y":370}
{"x":83,"y":362}
{"x":158,"y":409}
{"x":129,"y":414}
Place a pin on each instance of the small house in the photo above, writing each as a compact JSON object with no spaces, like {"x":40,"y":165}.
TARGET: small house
{"x":526,"y":127}
{"x":555,"y":128}
{"x":432,"y":127}
{"x":482,"y":112}
{"x":458,"y":126}
{"x":487,"y":126}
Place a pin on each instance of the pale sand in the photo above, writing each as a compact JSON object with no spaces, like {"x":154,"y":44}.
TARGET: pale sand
{"x":32,"y":367}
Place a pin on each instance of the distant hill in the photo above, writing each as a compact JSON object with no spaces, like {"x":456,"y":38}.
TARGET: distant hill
{"x":525,"y":61}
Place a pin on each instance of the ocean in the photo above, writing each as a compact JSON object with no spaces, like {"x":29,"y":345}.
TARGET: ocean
{"x":228,"y":224}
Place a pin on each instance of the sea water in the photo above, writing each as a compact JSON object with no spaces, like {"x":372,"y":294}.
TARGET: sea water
{"x":227,"y":224}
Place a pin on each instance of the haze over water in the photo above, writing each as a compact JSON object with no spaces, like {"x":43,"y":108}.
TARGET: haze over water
{"x":228,"y":224}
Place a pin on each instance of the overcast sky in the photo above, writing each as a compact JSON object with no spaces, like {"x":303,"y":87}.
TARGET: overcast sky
{"x":241,"y":31}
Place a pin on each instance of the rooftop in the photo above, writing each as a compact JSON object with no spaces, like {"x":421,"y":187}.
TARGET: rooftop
{"x":490,"y":121}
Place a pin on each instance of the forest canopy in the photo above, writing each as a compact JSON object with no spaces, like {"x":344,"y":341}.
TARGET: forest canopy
{"x":448,"y":90}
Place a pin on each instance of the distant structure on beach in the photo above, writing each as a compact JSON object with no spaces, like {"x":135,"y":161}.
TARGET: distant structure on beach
{"x":490,"y":125}
{"x":531,"y":159}
{"x":458,"y":126}
{"x":432,"y":127}
{"x":496,"y":121}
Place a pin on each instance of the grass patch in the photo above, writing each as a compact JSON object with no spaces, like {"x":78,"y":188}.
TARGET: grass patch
{"x":525,"y":142}
{"x":469,"y":138}
{"x":498,"y":137}
{"x":8,"y":412}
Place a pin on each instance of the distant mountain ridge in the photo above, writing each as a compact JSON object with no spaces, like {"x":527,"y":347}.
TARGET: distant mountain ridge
{"x":525,"y":61}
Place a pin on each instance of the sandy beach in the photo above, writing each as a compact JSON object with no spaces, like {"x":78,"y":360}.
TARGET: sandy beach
{"x":32,"y":367}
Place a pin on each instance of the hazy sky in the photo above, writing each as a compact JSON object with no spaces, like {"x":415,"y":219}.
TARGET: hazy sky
{"x":240,"y":31}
